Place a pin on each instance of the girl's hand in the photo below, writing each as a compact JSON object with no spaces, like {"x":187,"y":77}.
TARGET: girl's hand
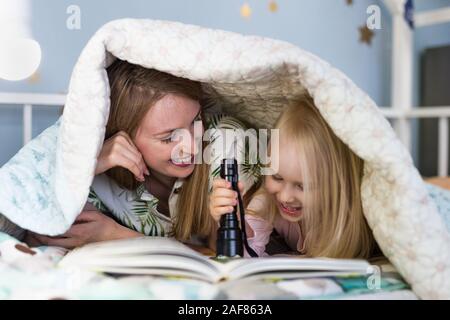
{"x":223,"y":198}
{"x":119,"y":150}
{"x":90,"y":226}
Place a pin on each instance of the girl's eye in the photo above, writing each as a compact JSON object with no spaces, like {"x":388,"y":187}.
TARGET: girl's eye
{"x":300,"y":186}
{"x":277,"y":178}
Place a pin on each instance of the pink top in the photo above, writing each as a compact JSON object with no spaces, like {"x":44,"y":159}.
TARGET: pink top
{"x":262,"y":229}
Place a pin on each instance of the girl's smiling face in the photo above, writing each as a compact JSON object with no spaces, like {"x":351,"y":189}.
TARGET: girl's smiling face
{"x":159,"y":139}
{"x":286,"y":186}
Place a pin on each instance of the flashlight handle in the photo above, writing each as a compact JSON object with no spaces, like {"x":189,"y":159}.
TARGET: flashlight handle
{"x":229,"y":235}
{"x":230,"y":238}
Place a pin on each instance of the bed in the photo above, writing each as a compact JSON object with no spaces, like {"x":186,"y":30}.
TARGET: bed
{"x":33,"y":273}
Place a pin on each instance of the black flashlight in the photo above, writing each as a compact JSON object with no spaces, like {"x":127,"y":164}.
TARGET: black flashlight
{"x":231,"y":238}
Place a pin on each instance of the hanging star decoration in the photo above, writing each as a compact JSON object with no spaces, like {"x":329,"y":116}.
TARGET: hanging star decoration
{"x":246,"y":11}
{"x":273,"y":6}
{"x":365,"y":35}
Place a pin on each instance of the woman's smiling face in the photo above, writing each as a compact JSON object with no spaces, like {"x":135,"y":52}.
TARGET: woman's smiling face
{"x":165,"y":137}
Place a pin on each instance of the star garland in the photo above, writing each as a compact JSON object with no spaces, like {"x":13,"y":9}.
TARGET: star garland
{"x":246,"y":10}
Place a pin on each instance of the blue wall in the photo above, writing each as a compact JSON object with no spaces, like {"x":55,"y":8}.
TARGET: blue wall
{"x":328,"y":28}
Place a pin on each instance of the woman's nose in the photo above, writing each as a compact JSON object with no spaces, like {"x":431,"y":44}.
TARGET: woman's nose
{"x":196,"y":138}
{"x":190,"y":144}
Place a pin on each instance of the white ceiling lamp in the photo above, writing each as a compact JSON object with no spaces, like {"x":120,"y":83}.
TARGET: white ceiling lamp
{"x":20,"y":54}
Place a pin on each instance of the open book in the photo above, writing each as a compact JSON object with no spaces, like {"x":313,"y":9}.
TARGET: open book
{"x":168,"y":257}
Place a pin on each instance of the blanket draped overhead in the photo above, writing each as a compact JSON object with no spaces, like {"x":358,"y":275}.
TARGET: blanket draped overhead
{"x":44,"y":187}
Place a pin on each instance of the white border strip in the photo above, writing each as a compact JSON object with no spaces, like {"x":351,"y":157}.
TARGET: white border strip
{"x":32,"y":98}
{"x":432,"y":17}
{"x":27,"y":123}
{"x":443,"y":147}
{"x":417,"y":112}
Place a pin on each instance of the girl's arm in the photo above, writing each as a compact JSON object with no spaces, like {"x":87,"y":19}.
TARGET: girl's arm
{"x":222,"y":200}
{"x":258,"y":228}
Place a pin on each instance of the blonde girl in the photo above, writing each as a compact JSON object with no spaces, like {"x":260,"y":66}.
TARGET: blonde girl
{"x":314,"y":200}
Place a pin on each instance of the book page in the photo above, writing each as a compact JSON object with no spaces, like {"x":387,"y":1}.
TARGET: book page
{"x":143,"y":255}
{"x":240,"y":268}
{"x":133,"y":246}
{"x":160,"y":255}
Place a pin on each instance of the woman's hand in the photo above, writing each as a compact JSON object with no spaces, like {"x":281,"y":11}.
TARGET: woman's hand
{"x":223,"y":198}
{"x":90,"y":226}
{"x":119,"y":150}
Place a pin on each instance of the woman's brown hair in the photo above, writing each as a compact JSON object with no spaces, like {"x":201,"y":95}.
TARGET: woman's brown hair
{"x":134,"y":90}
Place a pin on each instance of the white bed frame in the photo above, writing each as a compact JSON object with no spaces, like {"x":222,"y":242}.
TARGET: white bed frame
{"x":401,"y":112}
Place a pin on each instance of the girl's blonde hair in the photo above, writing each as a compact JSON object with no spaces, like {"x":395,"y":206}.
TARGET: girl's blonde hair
{"x":134,"y":90}
{"x":333,"y":224}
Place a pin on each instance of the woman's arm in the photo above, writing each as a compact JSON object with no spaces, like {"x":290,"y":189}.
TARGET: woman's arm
{"x":90,"y":226}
